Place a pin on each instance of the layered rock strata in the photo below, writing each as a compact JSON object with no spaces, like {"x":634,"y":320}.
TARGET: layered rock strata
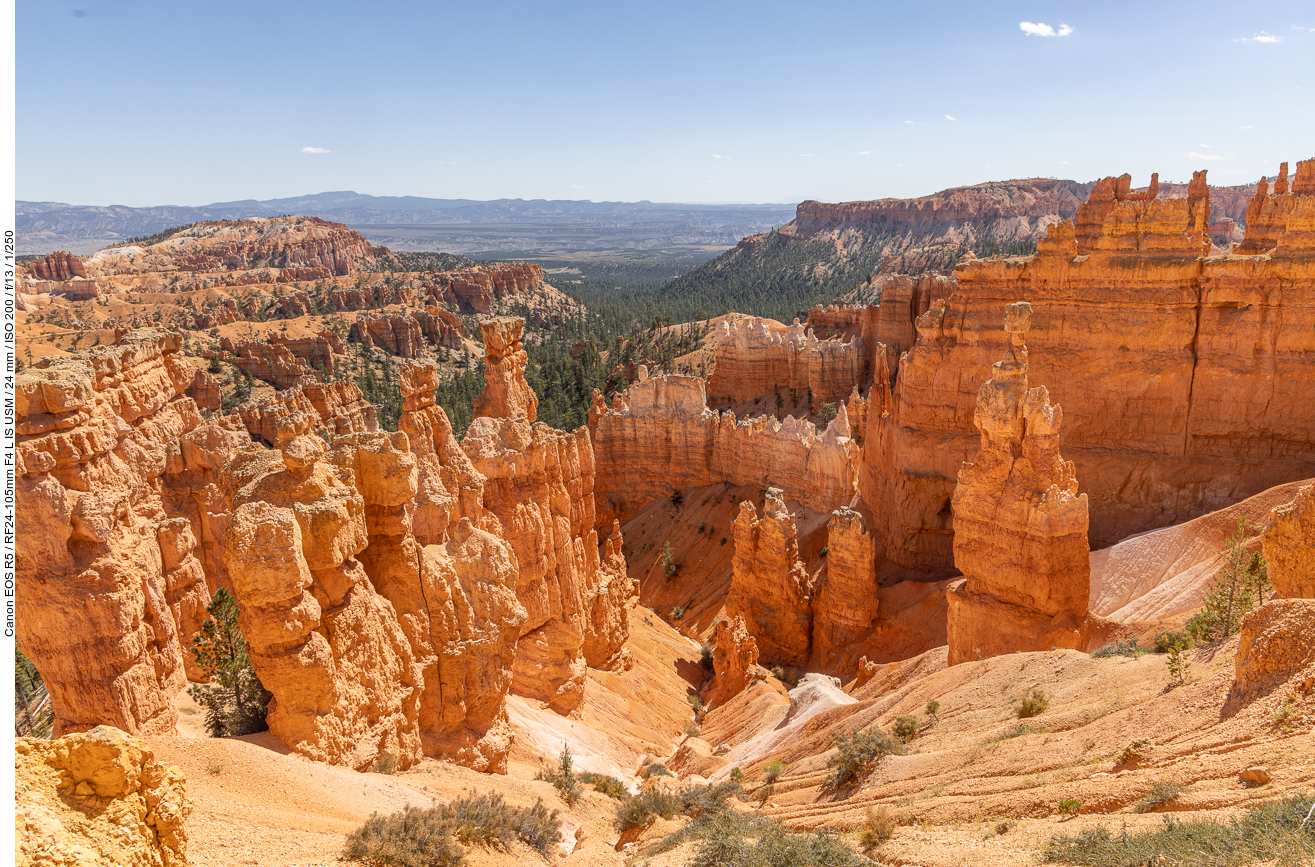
{"x":755,"y":356}
{"x":1289,"y":546}
{"x":846,"y":606}
{"x":407,"y":333}
{"x":539,"y":484}
{"x":307,"y":245}
{"x":1020,"y":526}
{"x":660,"y":436}
{"x":98,"y":797}
{"x":477,"y":288}
{"x":770,"y":590}
{"x":58,"y":265}
{"x":104,"y":574}
{"x":505,"y":394}
{"x":734,"y":662}
{"x":1195,"y":401}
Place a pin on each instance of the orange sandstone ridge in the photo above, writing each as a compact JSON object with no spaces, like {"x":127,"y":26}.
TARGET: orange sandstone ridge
{"x":409,"y":594}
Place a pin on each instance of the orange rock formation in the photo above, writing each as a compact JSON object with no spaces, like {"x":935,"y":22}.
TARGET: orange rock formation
{"x":755,"y":356}
{"x":506,"y":394}
{"x":1289,"y":545}
{"x":661,"y":436}
{"x":770,"y":590}
{"x":104,"y":574}
{"x":59,"y":265}
{"x":734,"y":662}
{"x":539,"y":484}
{"x":98,"y":798}
{"x":1173,"y":415}
{"x":1020,"y":526}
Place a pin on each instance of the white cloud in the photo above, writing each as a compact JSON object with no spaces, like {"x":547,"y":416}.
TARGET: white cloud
{"x":1040,"y":29}
{"x":1195,"y":157}
{"x":576,"y":187}
{"x":805,"y":155}
{"x":720,"y":157}
{"x":1262,"y":36}
{"x":1248,"y":126}
{"x":316,"y":151}
{"x":908,"y":121}
{"x":1064,"y":163}
{"x":947,"y":117}
{"x":864,"y":153}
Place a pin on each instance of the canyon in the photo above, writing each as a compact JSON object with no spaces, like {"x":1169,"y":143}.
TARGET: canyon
{"x":886,"y":506}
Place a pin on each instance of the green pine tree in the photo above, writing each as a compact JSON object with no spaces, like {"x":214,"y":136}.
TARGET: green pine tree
{"x":1241,"y":584}
{"x":234,"y":699}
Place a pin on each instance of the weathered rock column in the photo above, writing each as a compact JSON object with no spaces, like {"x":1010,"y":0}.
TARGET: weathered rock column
{"x":1020,"y":526}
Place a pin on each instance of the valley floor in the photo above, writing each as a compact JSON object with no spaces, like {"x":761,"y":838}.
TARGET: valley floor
{"x":977,"y":785}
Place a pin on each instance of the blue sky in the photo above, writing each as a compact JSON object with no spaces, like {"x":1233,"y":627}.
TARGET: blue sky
{"x":185,"y":102}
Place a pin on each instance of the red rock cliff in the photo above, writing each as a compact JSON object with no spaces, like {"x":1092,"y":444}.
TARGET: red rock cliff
{"x":1194,"y":400}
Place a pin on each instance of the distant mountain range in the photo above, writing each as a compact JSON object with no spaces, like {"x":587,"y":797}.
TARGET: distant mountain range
{"x":470,"y":225}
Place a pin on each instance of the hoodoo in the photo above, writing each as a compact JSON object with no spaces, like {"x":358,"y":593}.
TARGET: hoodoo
{"x":1020,"y":525}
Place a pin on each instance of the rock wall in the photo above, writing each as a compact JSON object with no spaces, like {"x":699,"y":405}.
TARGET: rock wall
{"x":1020,"y":526}
{"x":279,"y":242}
{"x":754,"y":356}
{"x":846,"y":605}
{"x":539,"y":484}
{"x":770,"y":590}
{"x":505,"y":394}
{"x":1183,"y":378}
{"x":104,"y":575}
{"x":477,"y":288}
{"x":59,"y":265}
{"x":98,"y":797}
{"x":734,"y":662}
{"x":1289,"y":546}
{"x":660,"y":436}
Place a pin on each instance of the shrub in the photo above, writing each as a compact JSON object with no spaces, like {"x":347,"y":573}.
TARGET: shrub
{"x":737,"y":775}
{"x":677,"y":498}
{"x":773,"y":770}
{"x":786,"y":674}
{"x":1119,"y":648}
{"x":385,"y":763}
{"x":702,"y":800}
{"x":1134,"y":752}
{"x":670,"y":567}
{"x":1271,"y":832}
{"x":1167,"y":640}
{"x":724,"y":841}
{"x":1178,"y":665}
{"x":856,"y":754}
{"x":1069,"y":807}
{"x":563,"y":777}
{"x":610,"y":786}
{"x":234,"y":699}
{"x":654,"y":769}
{"x":879,"y":825}
{"x":424,"y":838}
{"x":411,"y":838}
{"x":1161,"y":794}
{"x":644,"y":808}
{"x":678,"y":612}
{"x":705,"y":657}
{"x":1009,"y":734}
{"x":933,"y":707}
{"x":692,"y":729}
{"x":905,"y":727}
{"x":1035,"y":702}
